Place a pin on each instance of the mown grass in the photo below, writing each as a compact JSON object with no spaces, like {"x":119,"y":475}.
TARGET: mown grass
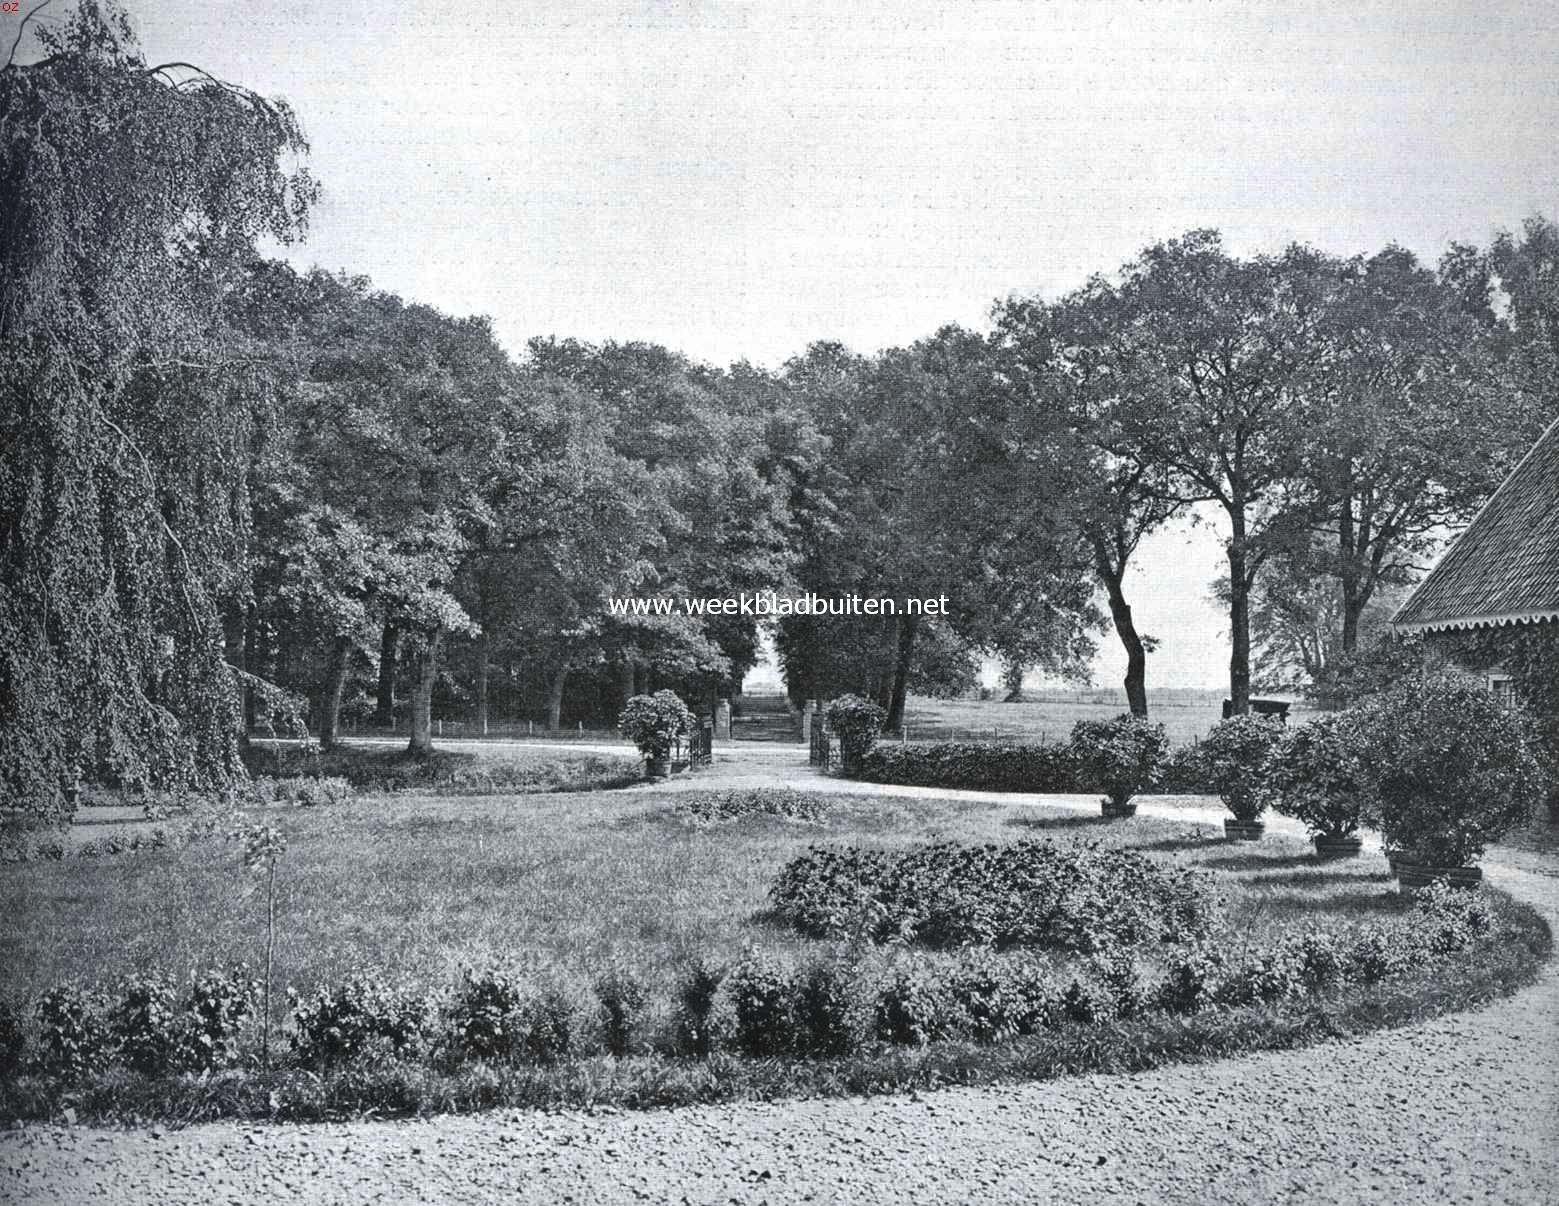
{"x":420,"y":886}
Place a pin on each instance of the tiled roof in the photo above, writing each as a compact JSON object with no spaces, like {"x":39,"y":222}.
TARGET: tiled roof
{"x":1504,"y":569}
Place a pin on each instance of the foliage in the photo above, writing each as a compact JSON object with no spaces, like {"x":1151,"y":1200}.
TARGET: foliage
{"x":698,"y":1029}
{"x":147,"y":1026}
{"x":302,"y":791}
{"x":220,"y":1004}
{"x":1451,"y":768}
{"x":1233,"y":757}
{"x":857,"y":721}
{"x":656,"y":722}
{"x":1316,"y":776}
{"x":731,"y":804}
{"x":828,"y":1010}
{"x":130,"y":193}
{"x":1353,"y":677}
{"x":914,"y":1006}
{"x":1026,"y":893}
{"x":486,"y":1018}
{"x":972,"y":765}
{"x":623,"y":999}
{"x":763,"y":1000}
{"x":1118,"y":756}
{"x":13,"y":1040}
{"x":343,"y":1023}
{"x":73,"y":1036}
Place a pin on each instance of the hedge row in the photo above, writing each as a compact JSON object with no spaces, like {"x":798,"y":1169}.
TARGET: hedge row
{"x":1007,"y":766}
{"x":826,"y":1008}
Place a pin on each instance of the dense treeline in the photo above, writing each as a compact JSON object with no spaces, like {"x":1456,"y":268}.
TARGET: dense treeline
{"x":233,"y":493}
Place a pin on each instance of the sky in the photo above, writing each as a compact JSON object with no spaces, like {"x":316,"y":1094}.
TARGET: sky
{"x":736,"y":180}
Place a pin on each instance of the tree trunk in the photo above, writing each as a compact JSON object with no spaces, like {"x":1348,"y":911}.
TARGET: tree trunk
{"x":1125,"y":629}
{"x":625,"y":682}
{"x":335,"y":682}
{"x":426,"y":667}
{"x":555,"y":697}
{"x":389,"y":646}
{"x":908,"y":626}
{"x":250,"y":639}
{"x":481,"y":683}
{"x":1239,"y":618}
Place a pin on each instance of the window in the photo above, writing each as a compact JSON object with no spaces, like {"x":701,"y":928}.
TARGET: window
{"x":1503,"y":687}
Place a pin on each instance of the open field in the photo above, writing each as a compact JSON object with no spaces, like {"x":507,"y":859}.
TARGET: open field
{"x":418,"y":886}
{"x":1049,"y":716}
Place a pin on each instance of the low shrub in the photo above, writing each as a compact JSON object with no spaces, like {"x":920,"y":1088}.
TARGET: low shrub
{"x":1233,"y":757}
{"x":697,"y":1028}
{"x":1451,"y":767}
{"x":731,"y":804}
{"x":972,"y":766}
{"x":828,"y":1011}
{"x":1118,"y":757}
{"x":623,"y":1000}
{"x":30,"y":845}
{"x":340,"y":1024}
{"x":302,"y":791}
{"x":857,"y":722}
{"x":221,"y":1004}
{"x":1191,"y":978}
{"x":73,"y":1038}
{"x":654,"y":723}
{"x":151,"y":1032}
{"x":1027,"y":893}
{"x":762,"y":999}
{"x":990,"y":997}
{"x":1258,"y":976}
{"x":914,"y":1006}
{"x":550,"y":1026}
{"x":1446,"y":919}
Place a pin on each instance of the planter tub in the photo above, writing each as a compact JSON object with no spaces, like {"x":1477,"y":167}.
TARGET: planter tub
{"x":1244,"y":831}
{"x":1110,"y":811}
{"x":1338,"y":847}
{"x":657,"y":768}
{"x":1420,"y":875}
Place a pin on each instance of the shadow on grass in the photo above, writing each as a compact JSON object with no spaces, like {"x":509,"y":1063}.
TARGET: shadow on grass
{"x":1190,"y":841}
{"x":1259,"y":862}
{"x":1320,"y":876}
{"x":1352,"y":904}
{"x":1064,"y":822}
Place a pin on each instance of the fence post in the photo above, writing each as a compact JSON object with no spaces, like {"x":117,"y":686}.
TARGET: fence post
{"x":440,"y":726}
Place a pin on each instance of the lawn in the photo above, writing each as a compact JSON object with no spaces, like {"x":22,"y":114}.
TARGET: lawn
{"x":418,"y":886}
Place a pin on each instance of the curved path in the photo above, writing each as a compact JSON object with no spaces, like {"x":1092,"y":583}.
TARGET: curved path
{"x":1461,"y":1109}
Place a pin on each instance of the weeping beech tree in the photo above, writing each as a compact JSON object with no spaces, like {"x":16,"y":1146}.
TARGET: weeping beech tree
{"x":129,"y":196}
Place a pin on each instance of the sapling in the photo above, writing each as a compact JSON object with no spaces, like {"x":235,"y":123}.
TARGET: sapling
{"x":263,"y":846}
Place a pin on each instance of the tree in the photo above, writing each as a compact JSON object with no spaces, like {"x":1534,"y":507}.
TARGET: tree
{"x":1210,"y":349}
{"x":128,"y":193}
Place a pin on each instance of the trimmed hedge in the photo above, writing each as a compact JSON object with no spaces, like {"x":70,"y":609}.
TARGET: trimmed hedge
{"x":973,"y":765}
{"x":1026,"y":893}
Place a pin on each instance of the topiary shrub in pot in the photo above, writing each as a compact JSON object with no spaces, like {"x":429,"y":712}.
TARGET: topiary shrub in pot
{"x":655,"y":723}
{"x":1316,"y":777}
{"x":1233,"y":757}
{"x":857,"y":721}
{"x":1118,"y":757}
{"x":1451,"y":769}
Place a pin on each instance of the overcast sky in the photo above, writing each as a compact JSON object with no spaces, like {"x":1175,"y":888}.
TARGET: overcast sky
{"x":735,"y":180}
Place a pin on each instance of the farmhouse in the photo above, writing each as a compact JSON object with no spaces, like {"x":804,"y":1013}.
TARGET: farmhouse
{"x":1492,"y":602}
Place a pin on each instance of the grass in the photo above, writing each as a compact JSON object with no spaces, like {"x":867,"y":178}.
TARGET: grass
{"x":414,"y":886}
{"x":424,"y":885}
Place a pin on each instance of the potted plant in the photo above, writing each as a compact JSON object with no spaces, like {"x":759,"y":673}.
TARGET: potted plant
{"x":1233,"y":758}
{"x":857,"y":722}
{"x":1119,"y":757}
{"x":1451,"y":768}
{"x":1316,"y":777}
{"x":655,"y":723}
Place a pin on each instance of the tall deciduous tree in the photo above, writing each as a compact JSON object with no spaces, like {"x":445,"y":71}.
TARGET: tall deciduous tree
{"x":128,"y":193}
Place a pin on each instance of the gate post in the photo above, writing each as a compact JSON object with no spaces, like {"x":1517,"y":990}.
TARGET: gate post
{"x":723,"y":720}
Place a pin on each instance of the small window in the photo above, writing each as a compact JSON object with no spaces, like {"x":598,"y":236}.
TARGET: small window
{"x":1503,"y":687}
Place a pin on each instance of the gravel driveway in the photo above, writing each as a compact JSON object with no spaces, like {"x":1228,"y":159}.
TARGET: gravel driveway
{"x":1462,"y":1109}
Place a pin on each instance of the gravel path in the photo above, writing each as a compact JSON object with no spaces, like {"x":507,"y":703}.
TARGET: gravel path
{"x":1461,"y":1109}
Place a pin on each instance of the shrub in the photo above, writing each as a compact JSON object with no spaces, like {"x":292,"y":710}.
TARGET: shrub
{"x":1255,"y":976}
{"x":13,"y":1041}
{"x":73,"y":1036}
{"x":549,"y":1029}
{"x":697,"y":1031}
{"x":1116,"y":972}
{"x":220,"y":1003}
{"x":1375,"y":953}
{"x":1118,"y":757}
{"x":1316,"y":776}
{"x":623,"y":999}
{"x":1191,"y":979}
{"x":655,"y":723}
{"x":857,"y":722}
{"x":828,"y":1011}
{"x":1182,"y":773}
{"x":304,"y":791}
{"x":1447,"y":919}
{"x":343,"y":1023}
{"x":1317,"y":955}
{"x":151,"y":1032}
{"x":1233,"y":757}
{"x":734,"y":803}
{"x":989,"y":998}
{"x":914,"y":1006}
{"x":1088,"y":1001}
{"x":1027,"y":893}
{"x":30,"y":845}
{"x":761,"y":997}
{"x":972,"y":766}
{"x":1452,"y":768}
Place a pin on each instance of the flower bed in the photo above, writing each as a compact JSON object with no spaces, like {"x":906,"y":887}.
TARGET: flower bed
{"x":835,"y":1023}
